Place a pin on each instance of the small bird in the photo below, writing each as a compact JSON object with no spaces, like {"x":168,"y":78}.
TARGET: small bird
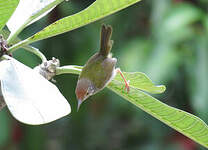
{"x":99,"y":70}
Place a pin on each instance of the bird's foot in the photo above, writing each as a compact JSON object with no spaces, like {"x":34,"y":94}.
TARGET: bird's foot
{"x":127,"y":87}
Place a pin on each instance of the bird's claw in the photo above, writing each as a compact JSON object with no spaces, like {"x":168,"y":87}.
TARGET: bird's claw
{"x":127,"y":87}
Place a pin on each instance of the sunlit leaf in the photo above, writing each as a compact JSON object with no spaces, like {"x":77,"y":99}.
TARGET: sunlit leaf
{"x":7,"y":7}
{"x":98,"y":10}
{"x":183,"y":122}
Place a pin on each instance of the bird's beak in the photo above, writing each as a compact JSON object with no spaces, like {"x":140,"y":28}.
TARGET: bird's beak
{"x":79,"y":103}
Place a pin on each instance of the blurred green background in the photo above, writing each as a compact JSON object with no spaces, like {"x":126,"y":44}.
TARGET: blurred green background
{"x":166,"y":39}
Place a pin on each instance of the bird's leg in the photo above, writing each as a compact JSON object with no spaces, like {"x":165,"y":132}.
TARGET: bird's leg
{"x":127,"y":88}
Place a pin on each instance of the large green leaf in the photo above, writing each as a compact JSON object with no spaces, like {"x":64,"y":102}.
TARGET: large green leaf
{"x":98,"y":10}
{"x":183,"y":122}
{"x":7,"y":7}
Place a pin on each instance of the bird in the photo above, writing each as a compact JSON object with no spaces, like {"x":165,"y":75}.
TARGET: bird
{"x":99,"y":70}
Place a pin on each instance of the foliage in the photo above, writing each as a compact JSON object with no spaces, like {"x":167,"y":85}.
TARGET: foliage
{"x":6,"y":10}
{"x":177,"y":47}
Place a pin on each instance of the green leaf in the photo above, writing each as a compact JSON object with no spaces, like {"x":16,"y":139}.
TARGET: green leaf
{"x":98,"y":10}
{"x":7,"y":7}
{"x":185,"y":123}
{"x":140,"y":81}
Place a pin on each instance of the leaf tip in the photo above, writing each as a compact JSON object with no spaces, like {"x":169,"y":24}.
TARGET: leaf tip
{"x":162,"y":88}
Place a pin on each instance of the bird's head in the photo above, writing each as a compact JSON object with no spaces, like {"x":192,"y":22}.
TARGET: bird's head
{"x":84,"y":89}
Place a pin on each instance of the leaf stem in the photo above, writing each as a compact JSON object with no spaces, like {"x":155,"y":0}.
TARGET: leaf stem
{"x":72,"y":69}
{"x":18,"y":45}
{"x":24,"y":44}
{"x":35,"y":51}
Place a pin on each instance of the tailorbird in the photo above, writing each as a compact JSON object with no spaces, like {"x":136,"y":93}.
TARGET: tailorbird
{"x":99,"y":70}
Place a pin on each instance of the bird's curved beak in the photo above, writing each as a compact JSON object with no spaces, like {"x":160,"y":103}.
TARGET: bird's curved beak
{"x":79,"y":104}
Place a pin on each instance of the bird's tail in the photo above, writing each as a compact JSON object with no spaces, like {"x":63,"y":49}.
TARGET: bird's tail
{"x":106,"y":43}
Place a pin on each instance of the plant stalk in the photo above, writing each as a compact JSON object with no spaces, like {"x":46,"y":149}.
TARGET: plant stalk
{"x":72,"y":69}
{"x":35,"y":51}
{"x":18,"y":45}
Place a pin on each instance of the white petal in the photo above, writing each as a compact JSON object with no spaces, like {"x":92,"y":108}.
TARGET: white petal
{"x":25,"y":10}
{"x":30,"y":98}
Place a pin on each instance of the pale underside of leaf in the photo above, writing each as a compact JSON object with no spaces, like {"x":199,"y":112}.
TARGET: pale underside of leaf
{"x":98,"y":10}
{"x":27,"y":12}
{"x":30,"y":98}
{"x":7,"y":7}
{"x":24,"y":11}
{"x":184,"y":122}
